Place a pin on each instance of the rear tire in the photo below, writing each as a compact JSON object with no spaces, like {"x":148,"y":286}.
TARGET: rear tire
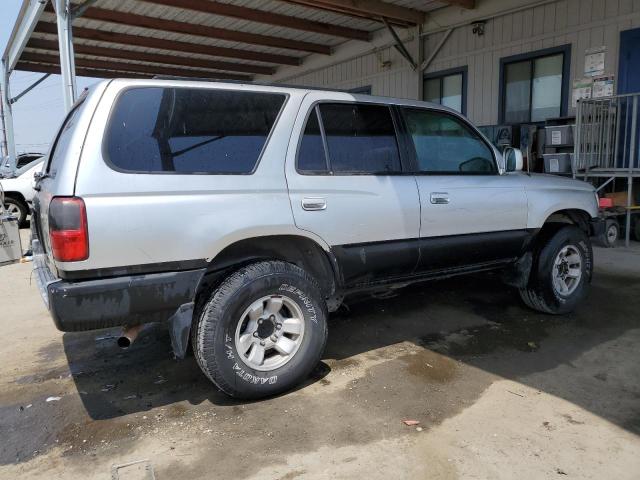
{"x":561,"y":272}
{"x":249,"y":340}
{"x":17,"y":207}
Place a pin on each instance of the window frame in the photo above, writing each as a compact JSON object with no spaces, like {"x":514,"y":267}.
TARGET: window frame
{"x":565,"y":50}
{"x":414,"y":154}
{"x":110,"y":119}
{"x":405,"y":161}
{"x":441,"y":74}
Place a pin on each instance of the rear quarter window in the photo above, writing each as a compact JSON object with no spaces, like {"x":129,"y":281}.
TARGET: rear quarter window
{"x":184,"y":130}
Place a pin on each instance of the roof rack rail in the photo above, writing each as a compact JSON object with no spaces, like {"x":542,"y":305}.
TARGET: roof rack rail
{"x":262,"y":84}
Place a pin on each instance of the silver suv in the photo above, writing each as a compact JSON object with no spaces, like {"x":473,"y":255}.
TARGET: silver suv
{"x":243,"y":214}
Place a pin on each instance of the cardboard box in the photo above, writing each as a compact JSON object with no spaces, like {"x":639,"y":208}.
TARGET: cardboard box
{"x":619,"y":199}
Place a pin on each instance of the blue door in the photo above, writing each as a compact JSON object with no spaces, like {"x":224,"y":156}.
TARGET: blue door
{"x":629,"y":82}
{"x":629,"y":70}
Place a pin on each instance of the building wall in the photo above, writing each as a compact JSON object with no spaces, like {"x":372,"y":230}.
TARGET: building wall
{"x":583,"y":24}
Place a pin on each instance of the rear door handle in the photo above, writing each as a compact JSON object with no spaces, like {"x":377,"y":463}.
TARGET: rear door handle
{"x":314,"y":203}
{"x":440,"y":198}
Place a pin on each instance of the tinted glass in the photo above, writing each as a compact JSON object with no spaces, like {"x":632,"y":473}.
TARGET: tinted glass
{"x":517,"y":92}
{"x":311,"y":155}
{"x":190,"y":130}
{"x":62,"y":141}
{"x":444,"y":144}
{"x":360,"y":138}
{"x":547,"y":88}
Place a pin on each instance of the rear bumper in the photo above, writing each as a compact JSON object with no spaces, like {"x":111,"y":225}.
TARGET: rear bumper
{"x":596,"y":226}
{"x":112,"y":302}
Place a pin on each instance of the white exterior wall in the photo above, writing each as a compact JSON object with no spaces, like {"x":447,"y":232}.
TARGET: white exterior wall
{"x":513,"y":27}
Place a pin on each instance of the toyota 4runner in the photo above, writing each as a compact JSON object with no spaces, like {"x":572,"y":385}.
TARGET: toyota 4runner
{"x":242,"y":214}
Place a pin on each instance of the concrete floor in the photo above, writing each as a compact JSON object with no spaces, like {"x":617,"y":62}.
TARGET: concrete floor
{"x":499,"y":392}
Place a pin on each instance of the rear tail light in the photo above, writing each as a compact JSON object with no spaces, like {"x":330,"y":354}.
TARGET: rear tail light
{"x":68,"y":229}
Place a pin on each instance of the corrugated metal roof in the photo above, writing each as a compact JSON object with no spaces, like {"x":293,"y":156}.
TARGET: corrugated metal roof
{"x":248,"y":51}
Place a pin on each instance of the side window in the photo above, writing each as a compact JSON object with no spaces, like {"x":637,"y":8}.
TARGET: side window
{"x":360,"y":138}
{"x":188,"y":130}
{"x":311,"y":154}
{"x":445,"y":144}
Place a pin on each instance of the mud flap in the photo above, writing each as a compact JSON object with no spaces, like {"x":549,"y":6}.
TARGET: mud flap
{"x":180,"y":328}
{"x":517,"y":275}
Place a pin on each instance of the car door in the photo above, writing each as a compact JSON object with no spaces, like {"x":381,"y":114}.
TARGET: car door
{"x":347,"y":186}
{"x":471,"y":214}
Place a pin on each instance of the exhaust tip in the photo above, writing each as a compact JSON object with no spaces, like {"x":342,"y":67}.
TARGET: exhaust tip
{"x":128,"y":336}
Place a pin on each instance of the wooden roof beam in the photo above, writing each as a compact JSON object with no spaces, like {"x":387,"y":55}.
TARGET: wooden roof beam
{"x":169,"y":45}
{"x":371,"y":9}
{"x":155,"y":23}
{"x":265,"y":17}
{"x":174,"y":60}
{"x":132,"y":67}
{"x":82,"y":72}
{"x":468,"y":4}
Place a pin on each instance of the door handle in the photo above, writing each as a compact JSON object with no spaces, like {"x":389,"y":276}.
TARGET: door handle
{"x":314,"y":203}
{"x":440,"y":198}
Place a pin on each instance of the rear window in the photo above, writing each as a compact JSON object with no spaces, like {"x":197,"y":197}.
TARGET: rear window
{"x":184,"y":130}
{"x":61,"y":142}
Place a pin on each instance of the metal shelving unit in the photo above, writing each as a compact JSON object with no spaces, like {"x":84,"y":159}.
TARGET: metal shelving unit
{"x":607,"y":145}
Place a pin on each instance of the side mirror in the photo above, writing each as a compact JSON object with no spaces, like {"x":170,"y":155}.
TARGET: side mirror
{"x":513,"y":160}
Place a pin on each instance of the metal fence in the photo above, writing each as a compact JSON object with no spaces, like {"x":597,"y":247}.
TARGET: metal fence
{"x":607,"y":134}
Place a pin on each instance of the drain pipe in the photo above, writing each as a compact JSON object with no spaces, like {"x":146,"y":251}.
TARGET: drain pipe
{"x":129,"y":335}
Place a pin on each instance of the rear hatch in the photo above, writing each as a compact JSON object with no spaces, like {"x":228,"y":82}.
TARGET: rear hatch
{"x":59,"y":173}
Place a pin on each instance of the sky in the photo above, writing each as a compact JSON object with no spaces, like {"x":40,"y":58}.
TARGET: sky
{"x":38,"y":114}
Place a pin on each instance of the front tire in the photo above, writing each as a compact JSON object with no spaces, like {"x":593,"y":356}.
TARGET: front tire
{"x":262,"y":331}
{"x":561,"y":271}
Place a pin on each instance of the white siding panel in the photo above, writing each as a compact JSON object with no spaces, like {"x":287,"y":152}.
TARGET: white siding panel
{"x":583,"y":24}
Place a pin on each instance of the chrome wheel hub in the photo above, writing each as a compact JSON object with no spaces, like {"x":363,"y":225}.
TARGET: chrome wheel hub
{"x":13,"y":209}
{"x":567,"y":270}
{"x":269,"y":332}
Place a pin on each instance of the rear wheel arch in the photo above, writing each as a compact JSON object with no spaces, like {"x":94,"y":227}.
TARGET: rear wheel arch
{"x":295,"y":249}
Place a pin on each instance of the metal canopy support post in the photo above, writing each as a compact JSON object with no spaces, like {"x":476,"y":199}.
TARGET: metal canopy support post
{"x":7,"y":116}
{"x":65,"y":44}
{"x":28,"y":17}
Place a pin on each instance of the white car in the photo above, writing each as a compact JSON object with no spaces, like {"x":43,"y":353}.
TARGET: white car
{"x":19,"y":192}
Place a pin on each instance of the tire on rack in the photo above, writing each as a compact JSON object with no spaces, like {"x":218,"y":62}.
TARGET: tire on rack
{"x":18,"y":208}
{"x":262,"y":331}
{"x":611,"y":234}
{"x":636,"y":228}
{"x":561,"y":272}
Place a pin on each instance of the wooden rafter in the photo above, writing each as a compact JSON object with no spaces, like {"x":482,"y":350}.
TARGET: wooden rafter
{"x":155,"y":23}
{"x":110,"y":53}
{"x":468,"y":4}
{"x":132,"y":67}
{"x":371,"y":9}
{"x":262,"y":16}
{"x":83,"y":72}
{"x":169,"y":45}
